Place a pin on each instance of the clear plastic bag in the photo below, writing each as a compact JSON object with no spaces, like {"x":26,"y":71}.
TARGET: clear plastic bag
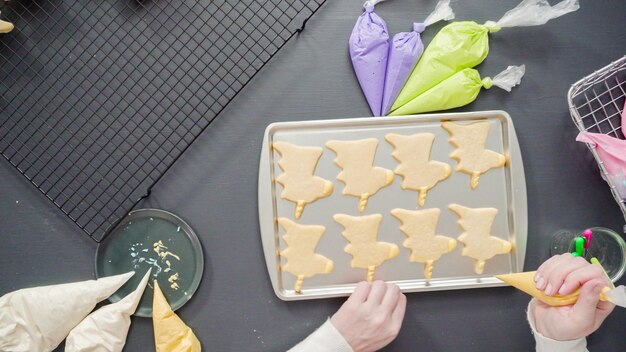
{"x":509,"y":78}
{"x":535,"y":13}
{"x":442,"y":12}
{"x":619,"y":180}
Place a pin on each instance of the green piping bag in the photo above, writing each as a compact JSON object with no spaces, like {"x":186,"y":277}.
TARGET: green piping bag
{"x":461,"y":45}
{"x":460,"y":89}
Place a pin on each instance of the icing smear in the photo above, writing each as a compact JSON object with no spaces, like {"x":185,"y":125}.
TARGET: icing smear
{"x":164,"y":262}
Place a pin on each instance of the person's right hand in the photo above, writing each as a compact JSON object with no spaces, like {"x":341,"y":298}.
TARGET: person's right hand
{"x":563,"y":274}
{"x":371,"y":317}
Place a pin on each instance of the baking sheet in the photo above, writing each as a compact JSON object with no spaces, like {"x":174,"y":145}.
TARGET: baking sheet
{"x":502,"y":188}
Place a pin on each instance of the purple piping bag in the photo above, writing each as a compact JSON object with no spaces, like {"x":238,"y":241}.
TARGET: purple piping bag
{"x":405,"y":50}
{"x":369,"y":49}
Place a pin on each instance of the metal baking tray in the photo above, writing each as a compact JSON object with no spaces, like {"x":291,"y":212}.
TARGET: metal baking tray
{"x":502,"y":188}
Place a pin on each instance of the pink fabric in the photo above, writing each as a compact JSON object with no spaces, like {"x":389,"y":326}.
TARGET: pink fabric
{"x":612,"y":151}
{"x":624,"y":119}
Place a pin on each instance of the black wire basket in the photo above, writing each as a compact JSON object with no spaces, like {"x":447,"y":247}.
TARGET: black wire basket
{"x":99,"y":98}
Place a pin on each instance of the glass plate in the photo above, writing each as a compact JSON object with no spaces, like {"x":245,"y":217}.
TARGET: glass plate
{"x":152,"y":238}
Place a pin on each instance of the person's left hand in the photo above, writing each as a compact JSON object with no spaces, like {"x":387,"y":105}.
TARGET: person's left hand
{"x":371,"y":317}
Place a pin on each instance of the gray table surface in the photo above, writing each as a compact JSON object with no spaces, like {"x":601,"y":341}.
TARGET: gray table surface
{"x":214,"y":186}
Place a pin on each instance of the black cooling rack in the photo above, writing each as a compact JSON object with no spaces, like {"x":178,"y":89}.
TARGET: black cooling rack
{"x":99,"y":98}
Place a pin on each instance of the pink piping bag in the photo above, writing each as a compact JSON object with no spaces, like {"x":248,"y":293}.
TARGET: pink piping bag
{"x":405,"y":50}
{"x":612,"y":151}
{"x":624,"y":120}
{"x":369,"y":50}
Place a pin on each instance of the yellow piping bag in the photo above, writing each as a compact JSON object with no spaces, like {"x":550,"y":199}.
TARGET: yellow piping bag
{"x":524,"y":281}
{"x":460,"y":89}
{"x":171,"y":334}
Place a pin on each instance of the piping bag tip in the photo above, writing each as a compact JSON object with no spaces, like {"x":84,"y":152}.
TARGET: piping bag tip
{"x":617,"y":296}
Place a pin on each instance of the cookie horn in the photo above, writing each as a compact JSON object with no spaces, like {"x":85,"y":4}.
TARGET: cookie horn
{"x":421,"y":199}
{"x":363,"y":201}
{"x":299,"y":208}
{"x":479,"y":267}
{"x":474,"y":179}
{"x":428,"y":269}
{"x":298,"y":284}
{"x":370,"y":273}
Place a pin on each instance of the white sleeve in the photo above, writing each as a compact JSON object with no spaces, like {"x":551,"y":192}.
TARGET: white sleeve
{"x":545,"y":344}
{"x":325,"y":339}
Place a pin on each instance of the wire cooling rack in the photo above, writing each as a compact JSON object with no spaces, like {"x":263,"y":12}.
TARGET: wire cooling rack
{"x":596,"y":103}
{"x":99,"y":98}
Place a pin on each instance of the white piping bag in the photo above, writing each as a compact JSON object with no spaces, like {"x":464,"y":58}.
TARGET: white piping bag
{"x":39,"y":318}
{"x":106,"y":329}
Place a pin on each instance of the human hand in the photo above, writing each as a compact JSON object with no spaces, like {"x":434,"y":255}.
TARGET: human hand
{"x":562,"y":275}
{"x":372,"y":316}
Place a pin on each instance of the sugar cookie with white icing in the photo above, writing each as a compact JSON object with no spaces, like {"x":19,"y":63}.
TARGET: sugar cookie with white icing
{"x":419,"y":227}
{"x":418,"y":172}
{"x":470,"y":153}
{"x":299,"y":183}
{"x":479,"y":243}
{"x":361,"y":178}
{"x":361,"y":233}
{"x":302,"y":261}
